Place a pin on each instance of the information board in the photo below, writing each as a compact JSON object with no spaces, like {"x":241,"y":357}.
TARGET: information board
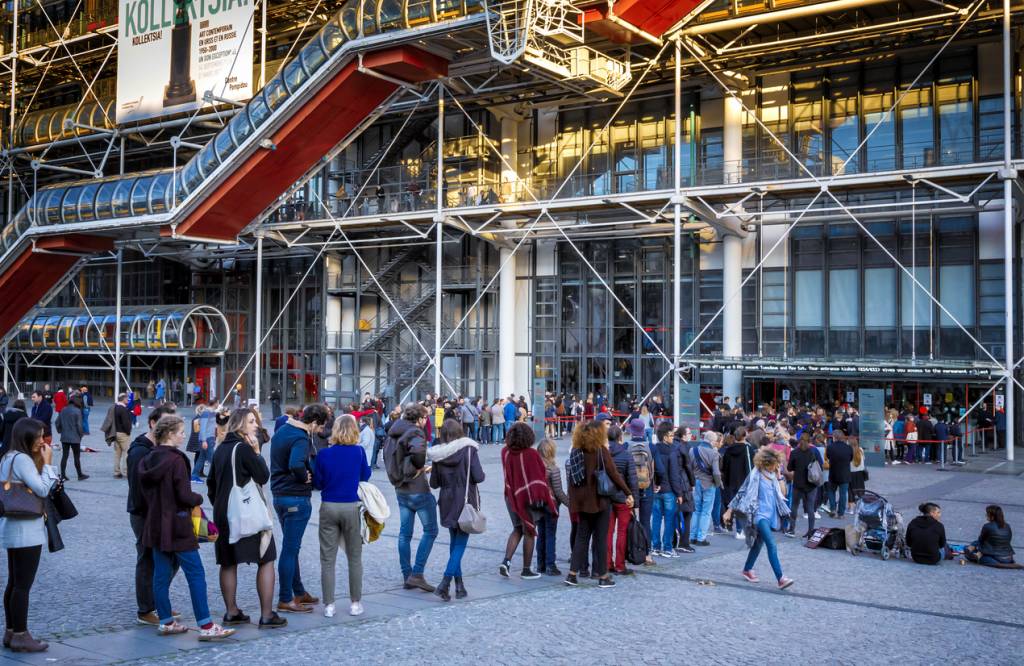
{"x":872,"y":426}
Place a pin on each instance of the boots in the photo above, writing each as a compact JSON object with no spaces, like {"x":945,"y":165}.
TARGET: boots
{"x":23,"y":642}
{"x":416,"y":581}
{"x":442,"y":589}
{"x":7,"y":637}
{"x":460,"y":589}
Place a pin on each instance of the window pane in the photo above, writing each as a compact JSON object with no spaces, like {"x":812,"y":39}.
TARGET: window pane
{"x":843,"y":298}
{"x":909,"y":293}
{"x":957,"y":294}
{"x":880,"y":297}
{"x":808,"y":299}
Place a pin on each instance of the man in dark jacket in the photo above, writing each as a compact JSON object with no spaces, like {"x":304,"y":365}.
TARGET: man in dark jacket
{"x":926,"y":437}
{"x":736,"y":463}
{"x":803,"y":490}
{"x":839,"y":457}
{"x":405,"y":457}
{"x":669,"y":491}
{"x":291,"y":480}
{"x":139,"y":449}
{"x":42,"y":411}
{"x":10,"y":417}
{"x":122,"y":431}
{"x":685,"y":504}
{"x":620,"y":511}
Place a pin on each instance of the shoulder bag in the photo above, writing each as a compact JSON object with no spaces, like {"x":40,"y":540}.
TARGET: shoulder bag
{"x":605,"y":487}
{"x":18,"y":499}
{"x":247,"y":511}
{"x":471,"y":521}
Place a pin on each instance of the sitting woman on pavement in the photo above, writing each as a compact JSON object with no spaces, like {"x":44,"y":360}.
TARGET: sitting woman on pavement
{"x":926,"y":536}
{"x":993,"y":545}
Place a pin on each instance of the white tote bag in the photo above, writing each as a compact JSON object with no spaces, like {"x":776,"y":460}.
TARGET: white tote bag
{"x":247,"y":511}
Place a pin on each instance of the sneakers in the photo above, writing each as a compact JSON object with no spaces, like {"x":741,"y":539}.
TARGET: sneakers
{"x":704,"y":542}
{"x":571,"y":580}
{"x":215,"y":633}
{"x":785,"y":582}
{"x":751,"y":577}
{"x":275,"y":622}
{"x":685,"y":549}
{"x":503,"y":568}
{"x":739,"y":536}
{"x":817,"y":515}
{"x":83,"y":477}
{"x":791,"y":535}
{"x":553,"y":571}
{"x":329,"y":610}
{"x":624,"y":571}
{"x":605,"y":582}
{"x":528,"y":574}
{"x":356,"y":608}
{"x":172,"y":629}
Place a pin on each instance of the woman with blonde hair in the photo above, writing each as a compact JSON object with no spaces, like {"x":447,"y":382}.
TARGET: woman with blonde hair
{"x":858,"y":471}
{"x":237,"y":461}
{"x":340,"y":467}
{"x":547,"y":524}
{"x":762,"y":499}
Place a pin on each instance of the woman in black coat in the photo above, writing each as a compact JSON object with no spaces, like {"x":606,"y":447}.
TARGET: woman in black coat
{"x":455,"y":463}
{"x":240,"y":445}
{"x":10,"y":417}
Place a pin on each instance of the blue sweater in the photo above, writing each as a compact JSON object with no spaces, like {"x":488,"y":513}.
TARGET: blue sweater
{"x":339,"y":469}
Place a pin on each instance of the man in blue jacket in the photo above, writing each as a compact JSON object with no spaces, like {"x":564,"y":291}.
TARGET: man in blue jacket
{"x":42,"y":411}
{"x":291,"y":481}
{"x":511,"y":411}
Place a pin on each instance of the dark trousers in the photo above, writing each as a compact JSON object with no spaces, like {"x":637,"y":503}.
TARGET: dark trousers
{"x":646,"y":507}
{"x":592,"y":527}
{"x":22,"y":564}
{"x":683,"y":523}
{"x":547,"y":534}
{"x":77,"y":448}
{"x":808,"y":497}
{"x":377,"y":443}
{"x":144,"y":569}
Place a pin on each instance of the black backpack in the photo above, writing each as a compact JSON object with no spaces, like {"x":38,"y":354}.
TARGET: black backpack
{"x":394,"y":461}
{"x":637,"y":543}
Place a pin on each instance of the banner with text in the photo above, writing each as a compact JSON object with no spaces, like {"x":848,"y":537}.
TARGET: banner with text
{"x":171,"y":52}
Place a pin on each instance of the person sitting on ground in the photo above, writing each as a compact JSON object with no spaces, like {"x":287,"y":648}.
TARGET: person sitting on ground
{"x":926,"y":536}
{"x":993,"y":547}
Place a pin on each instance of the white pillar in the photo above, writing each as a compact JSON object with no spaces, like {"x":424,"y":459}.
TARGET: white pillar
{"x":257,"y":360}
{"x":732,"y":251}
{"x":117,"y":325}
{"x":677,"y":236}
{"x":1008,"y":177}
{"x":506,"y":324}
{"x":509,"y":156}
{"x":438,"y":258}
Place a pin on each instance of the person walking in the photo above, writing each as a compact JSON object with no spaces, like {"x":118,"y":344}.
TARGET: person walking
{"x":87,"y":405}
{"x":762,"y":499}
{"x":275,"y":403}
{"x":196,"y":445}
{"x":69,"y":425}
{"x":526,"y":495}
{"x":339,"y":469}
{"x":547,"y":524}
{"x":136,"y":507}
{"x":588,"y":457}
{"x":122,"y":430}
{"x":169,"y":500}
{"x":456,"y":472}
{"x":291,"y":481}
{"x":620,"y":512}
{"x":236,"y":462}
{"x":804,"y":491}
{"x":405,"y":459}
{"x":28,"y":461}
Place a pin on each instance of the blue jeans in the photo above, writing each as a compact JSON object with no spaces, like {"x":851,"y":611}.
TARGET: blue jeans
{"x":764,"y":538}
{"x":485,"y":434}
{"x":704,"y":501}
{"x":203,"y":456}
{"x":716,"y":509}
{"x":498,"y":432}
{"x":547,"y":535}
{"x":648,"y":432}
{"x":85,"y":419}
{"x":840,"y":510}
{"x":664,"y":509}
{"x":471,"y":430}
{"x":293,"y":514}
{"x":459,"y":541}
{"x":163,"y":571}
{"x":424,"y":506}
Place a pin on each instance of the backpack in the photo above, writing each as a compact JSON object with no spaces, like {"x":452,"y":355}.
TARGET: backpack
{"x":815,"y":475}
{"x":637,"y":543}
{"x":642,"y":461}
{"x":394,"y":461}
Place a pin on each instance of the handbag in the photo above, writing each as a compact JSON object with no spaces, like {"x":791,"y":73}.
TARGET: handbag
{"x":815,"y":474}
{"x":247,"y":511}
{"x":62,"y":504}
{"x":471,"y":521}
{"x":205,"y":531}
{"x":18,"y":499}
{"x":605,"y":487}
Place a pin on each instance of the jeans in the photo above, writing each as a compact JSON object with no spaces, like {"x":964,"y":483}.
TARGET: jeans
{"x":498,"y":432}
{"x":456,"y":549}
{"x":646,"y":504}
{"x":485,"y":434}
{"x":958,"y":449}
{"x":716,"y":509}
{"x":144,"y":569}
{"x":203,"y":456}
{"x":843,"y":491}
{"x":547,"y":539}
{"x":664,"y":509}
{"x":471,"y":430}
{"x":85,"y":419}
{"x":648,"y":432}
{"x":293,"y":514}
{"x":764,"y":538}
{"x":377,"y":445}
{"x":410,"y":506}
{"x":163,"y":571}
{"x":617,"y":536}
{"x":704,"y":501}
{"x":808,"y":499}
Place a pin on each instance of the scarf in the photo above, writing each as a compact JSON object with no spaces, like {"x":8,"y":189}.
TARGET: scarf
{"x":526,"y":485}
{"x":439,"y":452}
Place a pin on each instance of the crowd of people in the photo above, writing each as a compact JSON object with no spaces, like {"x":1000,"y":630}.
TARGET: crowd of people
{"x":751,"y":473}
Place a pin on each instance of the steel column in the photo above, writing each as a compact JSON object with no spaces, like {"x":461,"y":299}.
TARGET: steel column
{"x":11,"y":142}
{"x":117,"y":324}
{"x":1008,"y":178}
{"x":677,"y":233}
{"x":257,"y":362}
{"x":439,"y":222}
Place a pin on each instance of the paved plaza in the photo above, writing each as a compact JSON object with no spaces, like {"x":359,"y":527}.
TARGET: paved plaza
{"x":842,"y":609}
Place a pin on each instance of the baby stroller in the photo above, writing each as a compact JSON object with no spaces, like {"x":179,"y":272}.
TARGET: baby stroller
{"x":878,"y":525}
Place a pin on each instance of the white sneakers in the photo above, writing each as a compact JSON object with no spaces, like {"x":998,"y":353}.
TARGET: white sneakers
{"x":215,"y":633}
{"x":329,"y":610}
{"x":356,"y":608}
{"x":739,"y":536}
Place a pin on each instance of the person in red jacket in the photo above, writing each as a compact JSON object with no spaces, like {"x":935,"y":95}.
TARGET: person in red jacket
{"x":60,"y":400}
{"x":165,"y":478}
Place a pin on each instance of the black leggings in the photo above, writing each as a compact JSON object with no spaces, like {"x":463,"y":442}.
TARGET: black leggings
{"x":807,"y":497}
{"x":22,"y":564}
{"x":591,"y":526}
{"x":77,"y":448}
